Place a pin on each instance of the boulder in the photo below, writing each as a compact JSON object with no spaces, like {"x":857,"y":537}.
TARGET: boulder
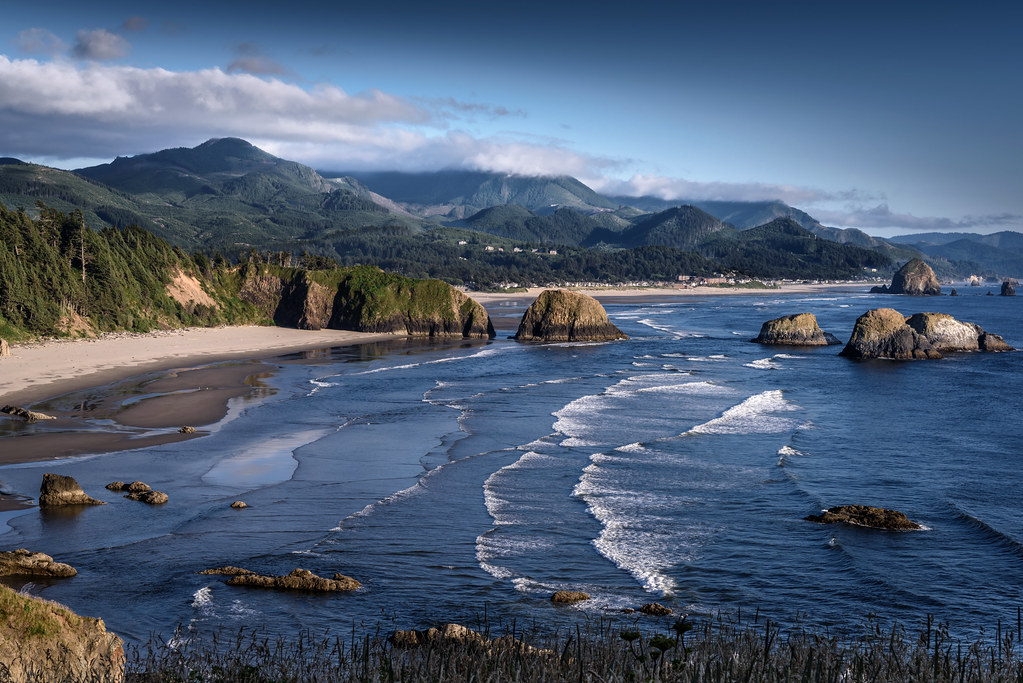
{"x":559,"y":315}
{"x":953,"y":292}
{"x":43,"y":641}
{"x":28,"y":415}
{"x":116,"y":486}
{"x":298,"y":579}
{"x":1007,"y":289}
{"x":23,"y":562}
{"x":227,"y":571}
{"x":569,"y":597}
{"x":800,"y":329}
{"x":865,"y":515}
{"x":5,"y":348}
{"x":916,"y":278}
{"x":138,"y":487}
{"x":455,"y":633}
{"x":187,"y":429}
{"x":884,"y":333}
{"x":655,"y":609}
{"x":58,"y":489}
{"x":945,"y":332}
{"x":239,"y":504}
{"x":149,"y":497}
{"x":989,"y":341}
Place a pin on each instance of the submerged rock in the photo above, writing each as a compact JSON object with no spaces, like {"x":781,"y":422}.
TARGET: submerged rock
{"x":24,"y":562}
{"x":58,"y":489}
{"x":227,"y":571}
{"x":116,"y":486}
{"x":800,"y":329}
{"x":27,"y":415}
{"x":569,"y":597}
{"x":1008,"y":289}
{"x":884,"y":333}
{"x":655,"y":609}
{"x":298,"y":579}
{"x":43,"y":641}
{"x":559,"y":315}
{"x":149,"y":497}
{"x":916,"y":278}
{"x":865,"y":515}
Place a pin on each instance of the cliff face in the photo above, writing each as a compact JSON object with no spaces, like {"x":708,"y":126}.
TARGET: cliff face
{"x":560,"y":315}
{"x":800,"y":329}
{"x":365,"y":299}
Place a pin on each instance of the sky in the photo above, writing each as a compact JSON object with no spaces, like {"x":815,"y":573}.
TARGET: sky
{"x":888,"y":117}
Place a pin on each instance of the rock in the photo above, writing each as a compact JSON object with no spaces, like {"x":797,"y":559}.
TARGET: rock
{"x":116,"y":486}
{"x":916,"y":278}
{"x":992,"y":342}
{"x":655,"y":609}
{"x":187,"y":429}
{"x":28,"y":415}
{"x":58,"y":489}
{"x":5,"y":348}
{"x":953,"y":292}
{"x":23,"y":562}
{"x":800,"y":329}
{"x":298,"y":579}
{"x":945,"y":332}
{"x":227,"y":571}
{"x":149,"y":497}
{"x":559,"y":315}
{"x":864,"y":515}
{"x":239,"y":504}
{"x":43,"y":641}
{"x":1007,"y":289}
{"x":569,"y":597}
{"x":884,"y":333}
{"x":458,"y":634}
{"x":138,"y":487}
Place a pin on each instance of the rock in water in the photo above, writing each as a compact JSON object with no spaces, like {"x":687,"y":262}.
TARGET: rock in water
{"x":800,"y":329}
{"x":43,"y":641}
{"x":569,"y":597}
{"x":992,"y":342}
{"x":29,"y":415}
{"x":239,"y":504}
{"x":655,"y":609}
{"x":865,"y":515}
{"x":149,"y":497}
{"x":298,"y":579}
{"x":558,"y":315}
{"x":58,"y":489}
{"x":1007,"y":290}
{"x":945,"y":332}
{"x":953,"y":292}
{"x":884,"y":333}
{"x":5,"y":348}
{"x":23,"y":562}
{"x":916,"y":278}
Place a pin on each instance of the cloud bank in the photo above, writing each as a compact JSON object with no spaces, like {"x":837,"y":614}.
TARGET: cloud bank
{"x":880,"y":216}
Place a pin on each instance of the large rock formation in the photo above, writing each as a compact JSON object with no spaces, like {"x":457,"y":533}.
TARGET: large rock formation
{"x":988,"y":341}
{"x":298,"y":579}
{"x":24,"y":562}
{"x":58,"y":489}
{"x":43,"y":641}
{"x":364,"y":299}
{"x":558,"y":315}
{"x":883,"y":333}
{"x":800,"y":329}
{"x":865,"y":515}
{"x":945,"y":332}
{"x":1007,"y":289}
{"x":916,"y":278}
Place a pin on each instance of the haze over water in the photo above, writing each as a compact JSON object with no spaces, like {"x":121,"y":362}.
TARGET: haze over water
{"x":674,"y":467}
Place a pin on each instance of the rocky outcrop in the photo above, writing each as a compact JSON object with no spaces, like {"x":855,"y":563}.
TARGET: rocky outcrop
{"x":138,"y":487}
{"x":1008,"y":289}
{"x":149,"y":497}
{"x":298,"y":579}
{"x":43,"y":641}
{"x":27,"y":415}
{"x":989,"y":341}
{"x":655,"y":609}
{"x":569,"y":597}
{"x":116,"y":486}
{"x":227,"y":571}
{"x":559,"y":315}
{"x":916,"y":278}
{"x":187,"y":429}
{"x":865,"y":515}
{"x":364,"y":299}
{"x":800,"y":329}
{"x":5,"y":348}
{"x":947,"y":334}
{"x":461,"y":635}
{"x":954,"y":292}
{"x":57,"y":490}
{"x":884,"y":333}
{"x":239,"y":504}
{"x":24,"y":562}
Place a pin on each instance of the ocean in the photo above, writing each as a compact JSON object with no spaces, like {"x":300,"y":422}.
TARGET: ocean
{"x":462,"y":479}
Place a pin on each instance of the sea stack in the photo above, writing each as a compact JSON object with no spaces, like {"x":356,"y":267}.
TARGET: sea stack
{"x":558,"y":315}
{"x":916,"y":278}
{"x":58,"y":489}
{"x":800,"y":329}
{"x":1007,"y":290}
{"x":884,"y":333}
{"x":865,"y":515}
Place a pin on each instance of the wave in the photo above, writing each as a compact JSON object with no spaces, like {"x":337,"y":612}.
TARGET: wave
{"x":762,"y":364}
{"x":755,"y":415}
{"x":488,"y":351}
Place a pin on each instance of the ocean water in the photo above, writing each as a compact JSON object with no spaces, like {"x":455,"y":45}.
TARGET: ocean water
{"x":460,"y":479}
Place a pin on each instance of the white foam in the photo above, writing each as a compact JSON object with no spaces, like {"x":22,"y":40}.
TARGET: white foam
{"x":202,"y":598}
{"x":789,"y":450}
{"x":762,"y":364}
{"x":752,"y":416}
{"x":704,"y":388}
{"x":488,"y":351}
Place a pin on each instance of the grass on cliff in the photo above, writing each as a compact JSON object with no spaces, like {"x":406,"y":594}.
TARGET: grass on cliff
{"x":719,"y":650}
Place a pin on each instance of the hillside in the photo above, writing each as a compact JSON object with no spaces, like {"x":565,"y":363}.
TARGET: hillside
{"x":683,"y":227}
{"x":563,"y":227}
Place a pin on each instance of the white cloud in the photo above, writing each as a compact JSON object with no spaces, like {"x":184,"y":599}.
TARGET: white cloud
{"x":679,"y":188}
{"x":100,"y":45}
{"x":880,"y":216}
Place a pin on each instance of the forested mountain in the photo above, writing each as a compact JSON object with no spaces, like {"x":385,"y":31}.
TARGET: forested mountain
{"x":683,"y":227}
{"x":1000,"y":251}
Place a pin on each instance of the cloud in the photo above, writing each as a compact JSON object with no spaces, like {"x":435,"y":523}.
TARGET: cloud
{"x":252,"y":61}
{"x":880,"y":216}
{"x":39,"y":41}
{"x":679,"y":188}
{"x":99,"y":45}
{"x":136,"y":24}
{"x":450,"y":105}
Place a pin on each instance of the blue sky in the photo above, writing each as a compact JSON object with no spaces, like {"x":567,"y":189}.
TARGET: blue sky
{"x":890,"y":119}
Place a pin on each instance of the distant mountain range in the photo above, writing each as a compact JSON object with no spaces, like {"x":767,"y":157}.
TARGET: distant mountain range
{"x":227,"y":194}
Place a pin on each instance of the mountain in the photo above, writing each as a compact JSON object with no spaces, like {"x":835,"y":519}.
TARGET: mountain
{"x":563,"y":227}
{"x":683,"y":227}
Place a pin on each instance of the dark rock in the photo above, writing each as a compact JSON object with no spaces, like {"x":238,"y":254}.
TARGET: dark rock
{"x":953,"y":292}
{"x":58,"y":489}
{"x":23,"y":562}
{"x":298,"y":579}
{"x":559,"y":315}
{"x":149,"y":497}
{"x":655,"y":609}
{"x":992,"y":342}
{"x":800,"y":329}
{"x":227,"y":571}
{"x":914,"y":279}
{"x":569,"y":597}
{"x":864,"y":515}
{"x":138,"y":487}
{"x":28,"y":415}
{"x":884,"y":333}
{"x":116,"y":486}
{"x":446,"y":632}
{"x":1008,"y":289}
{"x":187,"y":429}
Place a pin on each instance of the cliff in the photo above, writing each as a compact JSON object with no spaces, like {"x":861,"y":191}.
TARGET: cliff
{"x":560,"y":315}
{"x":800,"y":329}
{"x":363,"y":299}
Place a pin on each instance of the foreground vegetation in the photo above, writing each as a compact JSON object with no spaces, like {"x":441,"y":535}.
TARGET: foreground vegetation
{"x":718,"y":650}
